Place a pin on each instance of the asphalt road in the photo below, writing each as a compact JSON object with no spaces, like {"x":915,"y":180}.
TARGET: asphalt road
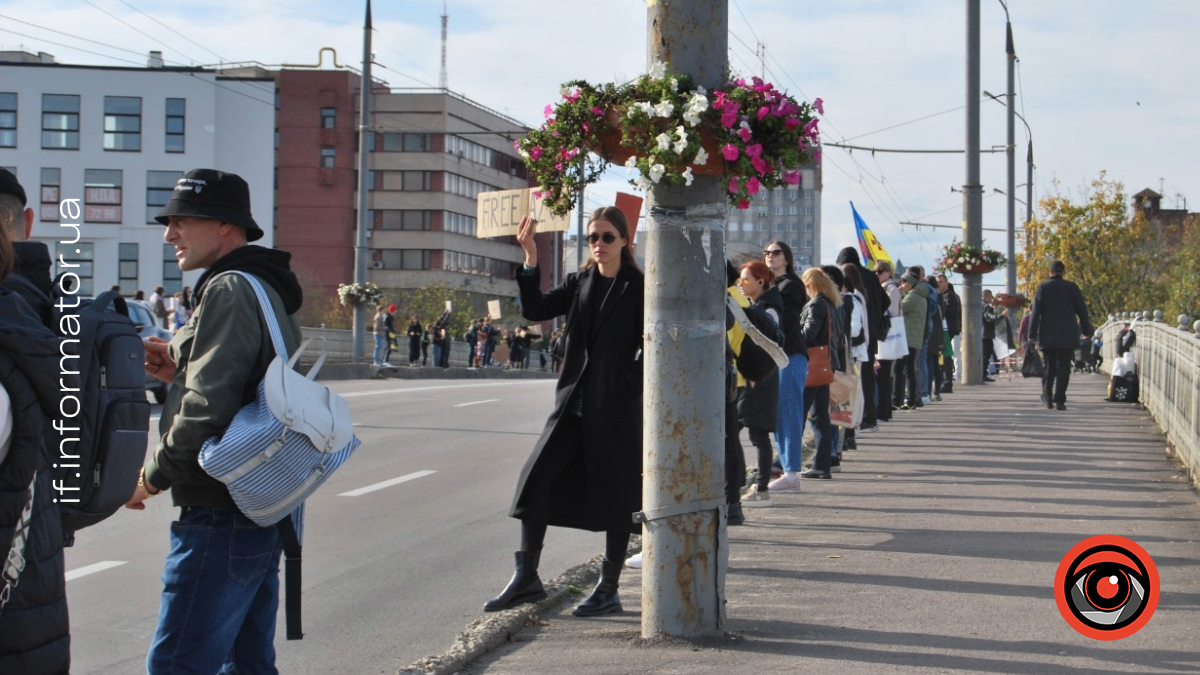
{"x":390,"y":575}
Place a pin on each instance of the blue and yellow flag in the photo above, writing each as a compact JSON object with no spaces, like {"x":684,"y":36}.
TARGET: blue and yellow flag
{"x":868,"y":244}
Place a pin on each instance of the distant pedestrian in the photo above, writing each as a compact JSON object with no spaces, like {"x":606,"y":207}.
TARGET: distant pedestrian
{"x":952,"y":305}
{"x":389,"y":323}
{"x":586,"y":470}
{"x":379,"y":329}
{"x":414,"y":333}
{"x":1052,"y":324}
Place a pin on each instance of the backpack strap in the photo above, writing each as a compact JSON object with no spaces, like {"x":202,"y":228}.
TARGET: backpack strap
{"x":291,"y":569}
{"x":14,"y":561}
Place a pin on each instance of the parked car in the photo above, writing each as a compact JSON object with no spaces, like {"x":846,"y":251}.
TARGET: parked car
{"x":142,"y":315}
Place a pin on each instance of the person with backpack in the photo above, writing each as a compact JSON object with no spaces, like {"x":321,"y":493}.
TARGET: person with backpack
{"x":35,"y":635}
{"x":380,"y":331}
{"x":221,"y":582}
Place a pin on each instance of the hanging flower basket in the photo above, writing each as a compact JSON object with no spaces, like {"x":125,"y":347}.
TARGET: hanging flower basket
{"x":1009,"y":300}
{"x":670,"y":131}
{"x":359,"y":294}
{"x":963,"y":258}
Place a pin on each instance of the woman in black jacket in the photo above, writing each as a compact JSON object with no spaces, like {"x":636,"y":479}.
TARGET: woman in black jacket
{"x":789,"y":429}
{"x":818,"y":324}
{"x":758,"y":402}
{"x":586,"y":470}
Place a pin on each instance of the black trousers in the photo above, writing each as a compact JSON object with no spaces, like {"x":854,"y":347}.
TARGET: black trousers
{"x":761,"y":440}
{"x":1058,"y":374}
{"x":989,"y":353}
{"x":883,"y":407}
{"x":735,"y":457}
{"x":905,"y":375}
{"x":869,"y":384}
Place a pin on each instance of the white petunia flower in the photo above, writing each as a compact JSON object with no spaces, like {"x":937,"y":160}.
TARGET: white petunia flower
{"x":643,"y":183}
{"x":681,"y":132}
{"x":679,"y":146}
{"x":664,"y":108}
{"x":701,"y":158}
{"x":674,"y":84}
{"x":691,"y":117}
{"x":657,"y":171}
{"x":658,"y":71}
{"x":664,"y":141}
{"x":687,"y":176}
{"x":631,"y":163}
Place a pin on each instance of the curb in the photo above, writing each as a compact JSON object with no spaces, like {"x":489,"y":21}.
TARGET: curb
{"x":494,"y":629}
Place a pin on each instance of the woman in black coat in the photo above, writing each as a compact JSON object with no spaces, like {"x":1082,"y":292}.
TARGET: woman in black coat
{"x":819,"y":323}
{"x":789,"y":430}
{"x":586,"y":469}
{"x":758,"y":401}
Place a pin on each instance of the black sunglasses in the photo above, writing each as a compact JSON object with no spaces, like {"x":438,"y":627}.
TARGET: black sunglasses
{"x":607,"y":237}
{"x":773,"y":252}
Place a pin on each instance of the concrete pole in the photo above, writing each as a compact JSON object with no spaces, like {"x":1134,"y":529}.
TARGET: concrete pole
{"x":364,"y":155}
{"x":1011,"y":151}
{"x":683,"y":535}
{"x":972,"y":342}
{"x":1029,"y":181}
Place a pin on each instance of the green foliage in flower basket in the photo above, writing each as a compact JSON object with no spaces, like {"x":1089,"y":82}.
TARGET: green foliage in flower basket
{"x":359,"y":294}
{"x":759,"y":136}
{"x":964,"y":258}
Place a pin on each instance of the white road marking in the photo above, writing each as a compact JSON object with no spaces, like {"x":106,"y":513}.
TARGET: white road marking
{"x":445,"y":386}
{"x":386,"y":484}
{"x":463,"y":405}
{"x":92,"y":569}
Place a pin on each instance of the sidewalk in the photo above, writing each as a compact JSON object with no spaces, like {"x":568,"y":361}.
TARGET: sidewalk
{"x":934,"y":551}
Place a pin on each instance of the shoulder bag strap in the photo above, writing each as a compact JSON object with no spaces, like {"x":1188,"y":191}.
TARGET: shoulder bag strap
{"x":14,"y":562}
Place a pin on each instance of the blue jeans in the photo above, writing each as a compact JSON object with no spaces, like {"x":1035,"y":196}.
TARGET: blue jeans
{"x":380,"y":347}
{"x":789,"y":427}
{"x":220,"y":595}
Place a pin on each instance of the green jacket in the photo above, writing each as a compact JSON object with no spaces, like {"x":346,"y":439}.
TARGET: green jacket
{"x":220,"y":354}
{"x":914,"y":308}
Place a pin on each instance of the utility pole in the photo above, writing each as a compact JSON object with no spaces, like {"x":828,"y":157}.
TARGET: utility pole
{"x":972,"y":342}
{"x":1011,"y":145}
{"x":683,"y":531}
{"x":364,"y":156}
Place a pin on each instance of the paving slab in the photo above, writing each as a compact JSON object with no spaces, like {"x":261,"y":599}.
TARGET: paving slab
{"x":933,"y":551}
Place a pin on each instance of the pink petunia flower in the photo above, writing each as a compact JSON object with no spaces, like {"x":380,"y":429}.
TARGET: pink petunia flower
{"x":763,"y":112}
{"x":744,"y":134}
{"x":517,"y":145}
{"x":791,"y":123}
{"x":597,"y":111}
{"x":810,"y":129}
{"x":729,"y":117}
{"x":743,"y":204}
{"x":791,"y":177}
{"x":549,"y":110}
{"x":537,"y":194}
{"x":753,"y":185}
{"x":754,"y":150}
{"x":734,"y":185}
{"x":730,"y":151}
{"x":819,"y":105}
{"x":760,"y":165}
{"x":535,"y":152}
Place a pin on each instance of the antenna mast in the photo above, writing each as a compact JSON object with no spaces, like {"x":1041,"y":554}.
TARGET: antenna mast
{"x":445,"y":21}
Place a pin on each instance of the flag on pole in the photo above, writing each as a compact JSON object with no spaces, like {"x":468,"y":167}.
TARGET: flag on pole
{"x":871,"y":249}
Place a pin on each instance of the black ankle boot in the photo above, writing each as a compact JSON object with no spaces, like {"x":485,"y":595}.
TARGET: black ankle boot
{"x":525,"y":585}
{"x":604,"y":598}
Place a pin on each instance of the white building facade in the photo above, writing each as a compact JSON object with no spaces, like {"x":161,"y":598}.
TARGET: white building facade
{"x":117,"y":139}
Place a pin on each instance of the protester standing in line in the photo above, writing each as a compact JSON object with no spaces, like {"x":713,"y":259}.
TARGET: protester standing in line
{"x":389,"y":325}
{"x":426,"y":339}
{"x":937,"y":340}
{"x":875,"y":302}
{"x":990,"y":320}
{"x":35,"y":634}
{"x":414,"y":333}
{"x":1053,"y":325}
{"x":789,"y":431}
{"x":585,"y":471}
{"x":820,"y":324}
{"x":379,"y":329}
{"x":914,"y":308}
{"x":758,"y":401}
{"x":953,"y":309}
{"x":221,"y":580}
{"x":885,"y":396}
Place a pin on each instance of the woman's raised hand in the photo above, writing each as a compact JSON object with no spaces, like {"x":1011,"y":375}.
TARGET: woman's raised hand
{"x":525,"y":232}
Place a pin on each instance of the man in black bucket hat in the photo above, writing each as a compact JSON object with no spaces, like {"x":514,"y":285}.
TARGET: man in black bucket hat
{"x":215,"y":366}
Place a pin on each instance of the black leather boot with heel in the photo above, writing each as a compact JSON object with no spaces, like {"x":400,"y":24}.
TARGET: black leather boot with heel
{"x":604,"y":598}
{"x":525,"y":585}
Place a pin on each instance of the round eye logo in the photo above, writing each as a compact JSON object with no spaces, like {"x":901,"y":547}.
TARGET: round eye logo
{"x":1106,"y":587}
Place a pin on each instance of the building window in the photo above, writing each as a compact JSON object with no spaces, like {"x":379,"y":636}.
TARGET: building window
{"x":747,"y":227}
{"x":416,"y":181}
{"x":396,"y":142}
{"x":762,"y":227}
{"x":328,"y":158}
{"x":171,"y":274}
{"x":8,"y":120}
{"x":51,"y":194}
{"x":808,"y":243}
{"x":792,"y":242}
{"x":808,"y":225}
{"x":808,"y":210}
{"x":458,"y":223}
{"x":405,"y":259}
{"x":328,"y":118}
{"x":779,"y":210}
{"x":792,"y":194}
{"x":60,"y":121}
{"x":102,"y":196}
{"x":78,"y":259}
{"x":808,"y":195}
{"x":791,"y":227}
{"x":793,"y":210}
{"x":123,"y":123}
{"x":176,"y":118}
{"x":127,"y":268}
{"x":160,"y":185}
{"x":405,"y":220}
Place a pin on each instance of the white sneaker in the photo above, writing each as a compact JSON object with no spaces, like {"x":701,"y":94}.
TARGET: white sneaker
{"x":926,"y":400}
{"x":635,"y":562}
{"x":784,"y":485}
{"x":385,"y":364}
{"x":836,"y":468}
{"x":375,"y":365}
{"x":754,"y":499}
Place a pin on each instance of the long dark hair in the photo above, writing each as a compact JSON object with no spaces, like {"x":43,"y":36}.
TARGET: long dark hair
{"x":787,"y":255}
{"x":852,"y":278}
{"x":617,"y":217}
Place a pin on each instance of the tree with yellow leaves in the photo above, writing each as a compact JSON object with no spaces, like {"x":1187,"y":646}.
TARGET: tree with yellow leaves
{"x":1119,"y":263}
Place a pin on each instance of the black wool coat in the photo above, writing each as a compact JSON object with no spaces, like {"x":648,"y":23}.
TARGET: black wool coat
{"x":602,"y":358}
{"x":1052,"y":321}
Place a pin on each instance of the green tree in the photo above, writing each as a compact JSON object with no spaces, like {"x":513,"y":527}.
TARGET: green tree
{"x":1183,"y":277}
{"x":1119,"y":263}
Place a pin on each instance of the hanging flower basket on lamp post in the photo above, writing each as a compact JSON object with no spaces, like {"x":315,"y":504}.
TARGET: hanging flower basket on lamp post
{"x":670,"y":131}
{"x":359,"y":294}
{"x":963,"y":258}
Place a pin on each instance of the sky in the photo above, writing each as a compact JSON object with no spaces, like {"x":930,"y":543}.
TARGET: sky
{"x":1104,"y":87}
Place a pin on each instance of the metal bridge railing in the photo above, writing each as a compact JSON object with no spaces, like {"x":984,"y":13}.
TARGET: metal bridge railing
{"x":1168,"y":366}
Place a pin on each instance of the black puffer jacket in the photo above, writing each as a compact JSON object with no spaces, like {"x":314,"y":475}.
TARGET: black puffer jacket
{"x":794,"y":297}
{"x":34,"y":630}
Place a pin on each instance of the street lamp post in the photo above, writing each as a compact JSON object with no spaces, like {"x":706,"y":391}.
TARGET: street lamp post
{"x":1012,"y":270}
